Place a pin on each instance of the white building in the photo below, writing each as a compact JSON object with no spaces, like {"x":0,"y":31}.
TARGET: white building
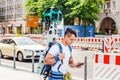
{"x":109,"y":18}
{"x":12,"y":16}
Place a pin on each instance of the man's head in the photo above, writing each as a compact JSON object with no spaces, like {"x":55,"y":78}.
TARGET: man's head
{"x":69,"y":36}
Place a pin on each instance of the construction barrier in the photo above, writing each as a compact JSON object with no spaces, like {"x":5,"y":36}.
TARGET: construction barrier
{"x":106,"y":66}
{"x":41,"y":39}
{"x":85,"y":42}
{"x":111,"y":44}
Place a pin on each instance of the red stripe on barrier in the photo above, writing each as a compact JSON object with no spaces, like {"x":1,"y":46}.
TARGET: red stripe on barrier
{"x":95,"y":40}
{"x":106,"y":59}
{"x":116,"y":39}
{"x":96,"y":58}
{"x":98,"y":40}
{"x":77,"y":40}
{"x":117,"y":60}
{"x":81,"y":39}
{"x":112,"y":48}
{"x":92,"y":40}
{"x":111,"y":43}
{"x":88,"y":40}
{"x":117,"y":48}
{"x":35,"y":37}
{"x":105,"y":48}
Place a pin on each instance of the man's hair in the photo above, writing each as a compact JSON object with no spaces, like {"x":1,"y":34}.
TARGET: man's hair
{"x":69,"y":31}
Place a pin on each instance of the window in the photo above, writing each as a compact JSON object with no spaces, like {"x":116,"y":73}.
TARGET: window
{"x":11,"y":41}
{"x":113,"y":4}
{"x":108,"y":5}
{"x":4,"y":41}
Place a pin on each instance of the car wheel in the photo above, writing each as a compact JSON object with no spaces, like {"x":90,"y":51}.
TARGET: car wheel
{"x":20,"y":56}
{"x":1,"y":56}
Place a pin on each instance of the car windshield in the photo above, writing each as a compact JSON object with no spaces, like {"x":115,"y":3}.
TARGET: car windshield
{"x":24,"y":41}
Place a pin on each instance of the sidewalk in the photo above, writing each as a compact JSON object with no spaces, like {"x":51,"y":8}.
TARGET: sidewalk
{"x":8,"y":73}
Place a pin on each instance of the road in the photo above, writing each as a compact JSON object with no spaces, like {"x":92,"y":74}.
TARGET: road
{"x":78,"y":55}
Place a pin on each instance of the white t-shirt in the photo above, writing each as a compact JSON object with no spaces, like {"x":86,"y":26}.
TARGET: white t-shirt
{"x":54,"y":50}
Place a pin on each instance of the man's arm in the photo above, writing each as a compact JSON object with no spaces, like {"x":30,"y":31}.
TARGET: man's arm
{"x":71,"y":63}
{"x":49,"y":59}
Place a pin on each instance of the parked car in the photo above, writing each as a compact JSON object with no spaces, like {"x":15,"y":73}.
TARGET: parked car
{"x":22,"y":46}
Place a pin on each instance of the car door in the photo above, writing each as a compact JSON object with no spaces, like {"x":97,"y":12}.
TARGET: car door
{"x":6,"y":47}
{"x":3,"y":46}
{"x":10,"y":48}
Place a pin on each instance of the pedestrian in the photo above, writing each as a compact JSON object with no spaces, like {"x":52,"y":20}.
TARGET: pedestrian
{"x":61,"y":61}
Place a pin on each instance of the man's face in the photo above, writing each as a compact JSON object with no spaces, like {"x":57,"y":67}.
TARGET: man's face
{"x":70,"y":39}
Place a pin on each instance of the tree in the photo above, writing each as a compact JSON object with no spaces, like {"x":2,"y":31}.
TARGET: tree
{"x":86,"y":10}
{"x":38,"y":7}
{"x":31,"y":7}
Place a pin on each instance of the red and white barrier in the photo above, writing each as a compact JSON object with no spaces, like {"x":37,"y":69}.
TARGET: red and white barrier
{"x":59,"y":39}
{"x":74,"y":45}
{"x":106,"y":67}
{"x":83,"y":42}
{"x":111,"y":44}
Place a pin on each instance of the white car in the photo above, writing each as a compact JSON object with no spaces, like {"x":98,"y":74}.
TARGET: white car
{"x":23,"y":48}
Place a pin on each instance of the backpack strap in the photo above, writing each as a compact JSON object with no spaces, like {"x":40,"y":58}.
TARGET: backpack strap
{"x":70,"y":49}
{"x":60,"y":47}
{"x":61,"y":51}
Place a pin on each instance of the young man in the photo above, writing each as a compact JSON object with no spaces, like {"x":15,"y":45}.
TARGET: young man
{"x":61,"y":61}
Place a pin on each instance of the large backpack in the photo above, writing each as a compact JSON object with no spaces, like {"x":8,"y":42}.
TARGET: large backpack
{"x":45,"y":69}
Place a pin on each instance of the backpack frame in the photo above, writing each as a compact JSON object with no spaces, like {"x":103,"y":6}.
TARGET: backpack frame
{"x":44,"y":69}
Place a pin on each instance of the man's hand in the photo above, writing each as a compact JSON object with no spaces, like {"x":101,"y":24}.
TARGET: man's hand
{"x":79,"y":64}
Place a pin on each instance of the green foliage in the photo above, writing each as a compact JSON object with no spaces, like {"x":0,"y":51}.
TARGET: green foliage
{"x":85,"y":10}
{"x":31,"y":6}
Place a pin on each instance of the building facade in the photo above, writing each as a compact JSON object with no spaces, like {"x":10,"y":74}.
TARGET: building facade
{"x":109,"y":18}
{"x":12,"y":16}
